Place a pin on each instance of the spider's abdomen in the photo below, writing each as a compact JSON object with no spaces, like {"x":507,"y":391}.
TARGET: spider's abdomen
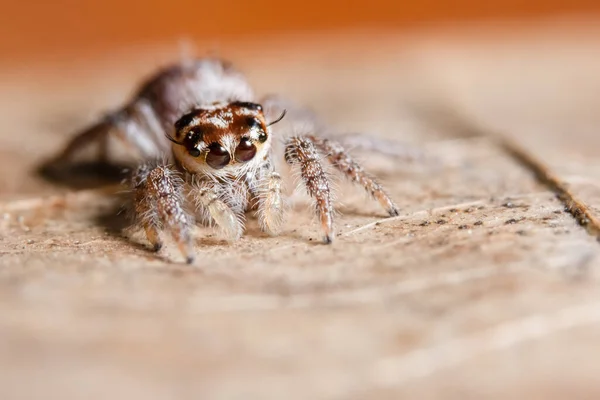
{"x":180,"y":88}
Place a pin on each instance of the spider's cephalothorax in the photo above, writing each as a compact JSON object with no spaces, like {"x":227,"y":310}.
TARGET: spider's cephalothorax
{"x":223,"y":140}
{"x":216,"y":145}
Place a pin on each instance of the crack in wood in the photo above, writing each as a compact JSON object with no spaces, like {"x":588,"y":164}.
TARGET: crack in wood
{"x":573,"y":204}
{"x":451,"y":118}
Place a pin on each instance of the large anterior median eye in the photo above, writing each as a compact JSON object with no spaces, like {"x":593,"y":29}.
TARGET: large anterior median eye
{"x":245,"y":150}
{"x":217,"y":156}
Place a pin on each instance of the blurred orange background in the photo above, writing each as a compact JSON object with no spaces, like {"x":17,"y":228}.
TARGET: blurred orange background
{"x":46,"y":29}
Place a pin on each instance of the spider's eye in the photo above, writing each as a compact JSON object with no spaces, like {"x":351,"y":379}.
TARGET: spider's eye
{"x":193,"y":135}
{"x":262,"y":137}
{"x":217,"y":156}
{"x":190,"y":142}
{"x":254,"y":123}
{"x":245,"y":150}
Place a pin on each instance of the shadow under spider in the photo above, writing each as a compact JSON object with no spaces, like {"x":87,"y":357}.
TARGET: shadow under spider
{"x":115,"y":221}
{"x":83,"y":175}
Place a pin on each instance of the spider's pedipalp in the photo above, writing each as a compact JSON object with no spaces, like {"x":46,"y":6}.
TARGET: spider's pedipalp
{"x":159,"y":205}
{"x":271,"y":208}
{"x":218,"y":211}
{"x":267,"y":188}
{"x":341,"y":160}
{"x":301,"y":151}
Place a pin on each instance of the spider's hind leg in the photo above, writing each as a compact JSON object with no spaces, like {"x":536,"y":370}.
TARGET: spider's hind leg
{"x":96,"y":133}
{"x":135,"y":126}
{"x":158,"y":204}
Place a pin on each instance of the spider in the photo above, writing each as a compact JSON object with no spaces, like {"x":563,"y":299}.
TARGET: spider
{"x":207,"y":151}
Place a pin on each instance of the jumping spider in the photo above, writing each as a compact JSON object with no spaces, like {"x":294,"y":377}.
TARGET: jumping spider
{"x":218,"y":148}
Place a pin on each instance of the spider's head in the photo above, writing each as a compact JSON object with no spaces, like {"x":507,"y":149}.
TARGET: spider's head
{"x":222,"y":137}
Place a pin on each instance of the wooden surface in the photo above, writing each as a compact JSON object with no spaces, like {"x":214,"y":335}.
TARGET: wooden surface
{"x":483,"y":287}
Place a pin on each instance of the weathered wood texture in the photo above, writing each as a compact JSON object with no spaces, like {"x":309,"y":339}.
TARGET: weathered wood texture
{"x":483,"y":287}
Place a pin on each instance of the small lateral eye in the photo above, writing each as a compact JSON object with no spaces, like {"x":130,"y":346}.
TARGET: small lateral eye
{"x":254,"y":123}
{"x":245,"y":150}
{"x":191,"y":141}
{"x":217,"y":156}
{"x":262,"y":137}
{"x":193,"y":135}
{"x":248,"y":104}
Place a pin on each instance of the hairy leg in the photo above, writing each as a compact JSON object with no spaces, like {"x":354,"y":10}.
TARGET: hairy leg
{"x":302,"y":151}
{"x":213,"y":208}
{"x":342,"y":160}
{"x":159,"y":205}
{"x":301,"y":119}
{"x":97,"y":133}
{"x":135,"y":126}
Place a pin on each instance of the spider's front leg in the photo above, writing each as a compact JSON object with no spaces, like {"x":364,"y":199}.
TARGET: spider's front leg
{"x":159,"y":205}
{"x":302,"y":151}
{"x":341,"y":160}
